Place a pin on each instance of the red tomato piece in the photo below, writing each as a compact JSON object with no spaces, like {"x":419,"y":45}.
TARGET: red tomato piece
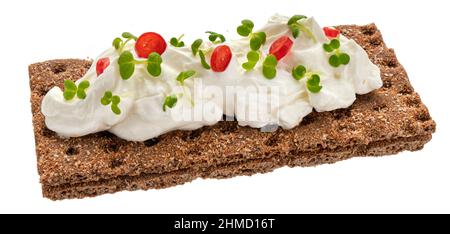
{"x":101,"y":65}
{"x":281,"y":47}
{"x":220,"y":58}
{"x":150,"y":42}
{"x":331,"y":32}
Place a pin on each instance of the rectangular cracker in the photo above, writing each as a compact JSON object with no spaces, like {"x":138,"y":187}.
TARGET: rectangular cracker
{"x":384,"y":122}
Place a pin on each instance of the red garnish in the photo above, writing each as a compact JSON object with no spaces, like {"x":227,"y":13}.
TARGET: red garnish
{"x":220,"y":58}
{"x":101,"y":65}
{"x":150,"y":42}
{"x":331,"y":32}
{"x":281,"y":47}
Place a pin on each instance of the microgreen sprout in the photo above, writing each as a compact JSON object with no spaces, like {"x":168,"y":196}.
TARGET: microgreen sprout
{"x":338,"y":57}
{"x":176,"y":42}
{"x":296,"y":26}
{"x":252,"y":60}
{"x":257,"y":39}
{"x":196,"y":49}
{"x":170,"y":101}
{"x":119,"y":43}
{"x":71,"y":89}
{"x":185,"y":75}
{"x":270,"y":67}
{"x":127,"y":64}
{"x":114,"y":100}
{"x":313,"y":79}
{"x":213,"y":36}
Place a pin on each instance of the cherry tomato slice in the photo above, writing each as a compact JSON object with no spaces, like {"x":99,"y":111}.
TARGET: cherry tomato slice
{"x":101,"y":65}
{"x":331,"y":32}
{"x":150,"y":42}
{"x":281,"y":47}
{"x":220,"y":58}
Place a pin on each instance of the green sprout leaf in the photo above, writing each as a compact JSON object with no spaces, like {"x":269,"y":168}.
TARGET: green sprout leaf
{"x":295,"y":30}
{"x":126,"y":65}
{"x":154,"y":64}
{"x":115,"y":109}
{"x":269,"y":67}
{"x":344,"y":58}
{"x":128,"y":35}
{"x":176,"y":42}
{"x":296,"y":18}
{"x":70,"y":89}
{"x":108,"y":98}
{"x":257,"y":39}
{"x":185,"y":75}
{"x":203,"y":60}
{"x":334,"y":61}
{"x":299,"y":72}
{"x":169,"y":101}
{"x":81,"y":92}
{"x":213,"y":36}
{"x":253,"y":58}
{"x":327,"y":48}
{"x":245,"y":28}
{"x":338,"y":58}
{"x":196,"y":45}
{"x":335,"y":44}
{"x":297,"y":27}
{"x":313,"y":84}
{"x":117,"y":42}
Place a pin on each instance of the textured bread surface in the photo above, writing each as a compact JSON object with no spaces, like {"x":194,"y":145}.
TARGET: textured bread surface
{"x":384,"y":122}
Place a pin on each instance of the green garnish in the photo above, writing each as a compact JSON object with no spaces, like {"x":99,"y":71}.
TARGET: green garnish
{"x":253,"y":58}
{"x":256,"y":39}
{"x":299,"y":72}
{"x":119,"y":44}
{"x":185,"y":75}
{"x":154,"y":64}
{"x":195,"y":45}
{"x":270,"y":66}
{"x":176,"y":42}
{"x":297,"y":27}
{"x":108,"y":98}
{"x":127,"y":64}
{"x":170,"y":101}
{"x":71,"y":89}
{"x":203,"y":60}
{"x":337,"y":58}
{"x":245,"y":28}
{"x":213,"y":36}
{"x":196,"y":49}
{"x":313,"y":83}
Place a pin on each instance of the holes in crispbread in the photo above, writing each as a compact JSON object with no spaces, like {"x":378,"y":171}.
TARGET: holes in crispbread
{"x":72,"y":151}
{"x":116,"y":162}
{"x":58,"y":68}
{"x":151,"y":142}
{"x":111,"y":147}
{"x":341,"y":114}
{"x":192,"y":135}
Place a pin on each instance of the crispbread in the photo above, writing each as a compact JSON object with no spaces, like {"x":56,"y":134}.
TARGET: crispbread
{"x":384,"y":122}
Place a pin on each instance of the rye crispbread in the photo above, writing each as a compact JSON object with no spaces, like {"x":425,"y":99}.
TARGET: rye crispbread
{"x":384,"y":122}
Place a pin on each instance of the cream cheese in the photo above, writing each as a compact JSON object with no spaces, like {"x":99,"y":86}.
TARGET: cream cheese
{"x":254,"y":100}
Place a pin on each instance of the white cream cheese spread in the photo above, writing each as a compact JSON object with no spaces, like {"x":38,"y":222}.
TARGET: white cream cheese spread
{"x":202,"y":100}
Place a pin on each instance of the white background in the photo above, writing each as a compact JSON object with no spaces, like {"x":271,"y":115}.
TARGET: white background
{"x":33,"y":31}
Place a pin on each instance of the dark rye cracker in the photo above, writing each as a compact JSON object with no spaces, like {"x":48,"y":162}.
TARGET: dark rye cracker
{"x":384,"y":122}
